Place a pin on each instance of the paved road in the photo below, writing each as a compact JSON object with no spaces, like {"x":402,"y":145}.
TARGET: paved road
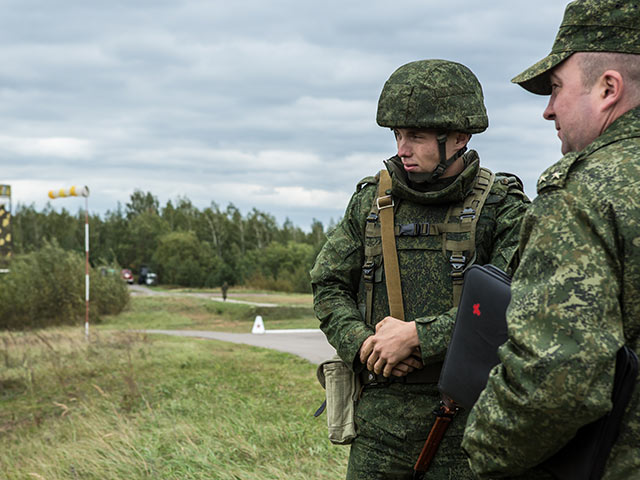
{"x":309,"y":344}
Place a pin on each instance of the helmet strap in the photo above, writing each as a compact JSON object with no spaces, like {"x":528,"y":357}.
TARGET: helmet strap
{"x":445,"y":162}
{"x":442,"y":148}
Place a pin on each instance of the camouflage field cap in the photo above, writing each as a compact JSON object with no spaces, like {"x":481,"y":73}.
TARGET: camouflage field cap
{"x":587,"y":26}
{"x":434,"y":94}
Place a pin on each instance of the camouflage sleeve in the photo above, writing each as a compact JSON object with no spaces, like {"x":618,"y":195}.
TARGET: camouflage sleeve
{"x":335,"y":280}
{"x":499,"y":245}
{"x":506,"y":236}
{"x":564,"y":331}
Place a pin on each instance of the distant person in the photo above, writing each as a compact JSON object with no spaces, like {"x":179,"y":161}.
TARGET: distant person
{"x":446,"y":214}
{"x":576,"y":294}
{"x":225,"y":287}
{"x":142,"y":278}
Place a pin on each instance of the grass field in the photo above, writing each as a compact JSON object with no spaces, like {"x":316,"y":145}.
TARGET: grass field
{"x":289,"y":299}
{"x":201,"y":313}
{"x":133,"y":406}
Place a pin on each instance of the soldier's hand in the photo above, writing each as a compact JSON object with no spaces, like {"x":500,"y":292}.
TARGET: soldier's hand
{"x":394,"y":342}
{"x":365,"y":350}
{"x":407,"y":366}
{"x":402,"y":368}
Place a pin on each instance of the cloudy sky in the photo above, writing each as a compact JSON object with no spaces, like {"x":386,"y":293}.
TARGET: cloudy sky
{"x":265,"y":104}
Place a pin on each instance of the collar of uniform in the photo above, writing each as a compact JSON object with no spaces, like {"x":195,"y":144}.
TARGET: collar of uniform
{"x":625,"y":126}
{"x":454,"y":192}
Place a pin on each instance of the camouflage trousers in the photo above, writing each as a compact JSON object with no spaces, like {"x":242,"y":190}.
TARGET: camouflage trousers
{"x":393,"y":421}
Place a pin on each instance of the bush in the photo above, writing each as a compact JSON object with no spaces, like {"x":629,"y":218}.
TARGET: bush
{"x":47,"y":287}
{"x":109,"y":295}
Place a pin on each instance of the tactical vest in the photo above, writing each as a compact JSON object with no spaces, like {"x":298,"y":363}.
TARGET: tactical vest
{"x":457,"y":233}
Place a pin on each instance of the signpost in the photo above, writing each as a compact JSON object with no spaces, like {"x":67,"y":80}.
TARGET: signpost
{"x":80,"y":192}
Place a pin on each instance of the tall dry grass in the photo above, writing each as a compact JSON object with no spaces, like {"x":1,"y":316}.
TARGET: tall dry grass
{"x":131,"y":406}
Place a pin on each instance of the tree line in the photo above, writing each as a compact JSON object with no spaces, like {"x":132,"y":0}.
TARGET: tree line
{"x":184,"y":245}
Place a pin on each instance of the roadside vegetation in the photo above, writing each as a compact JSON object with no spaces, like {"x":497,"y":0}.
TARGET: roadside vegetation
{"x":136,"y":406}
{"x":46,"y":288}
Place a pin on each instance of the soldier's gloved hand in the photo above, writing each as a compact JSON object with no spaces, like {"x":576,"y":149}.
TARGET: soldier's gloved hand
{"x":394,"y":342}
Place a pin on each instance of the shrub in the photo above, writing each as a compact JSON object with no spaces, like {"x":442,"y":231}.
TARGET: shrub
{"x":47,"y":287}
{"x":108,"y":293}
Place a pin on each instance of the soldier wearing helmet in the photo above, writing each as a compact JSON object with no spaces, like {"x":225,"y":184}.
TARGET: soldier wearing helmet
{"x":575,"y":301}
{"x":446,"y":213}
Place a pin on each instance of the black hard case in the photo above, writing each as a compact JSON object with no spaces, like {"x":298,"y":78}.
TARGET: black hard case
{"x":480,"y":328}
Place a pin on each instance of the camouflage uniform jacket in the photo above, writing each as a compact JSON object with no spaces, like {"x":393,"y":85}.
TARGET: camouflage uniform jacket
{"x":575,"y":302}
{"x":337,"y":277}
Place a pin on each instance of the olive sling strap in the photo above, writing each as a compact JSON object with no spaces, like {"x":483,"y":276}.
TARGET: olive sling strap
{"x":394,"y":291}
{"x":342,"y":385}
{"x":385,"y":206}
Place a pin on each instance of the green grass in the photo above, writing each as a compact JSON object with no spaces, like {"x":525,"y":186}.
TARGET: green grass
{"x":136,"y":406}
{"x":246,"y":294}
{"x":196,"y":313}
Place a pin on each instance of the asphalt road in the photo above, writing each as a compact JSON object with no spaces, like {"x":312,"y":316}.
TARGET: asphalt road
{"x":309,"y":344}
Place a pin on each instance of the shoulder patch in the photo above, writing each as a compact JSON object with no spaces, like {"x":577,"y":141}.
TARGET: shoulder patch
{"x":510,"y":180}
{"x":366,"y":181}
{"x":506,"y":184}
{"x":556,"y":175}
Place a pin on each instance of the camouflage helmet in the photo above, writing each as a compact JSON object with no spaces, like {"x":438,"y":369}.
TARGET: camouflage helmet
{"x":433,"y":94}
{"x":587,"y":26}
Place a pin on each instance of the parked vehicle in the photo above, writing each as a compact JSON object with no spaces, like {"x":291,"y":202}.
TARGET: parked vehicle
{"x":127,"y":276}
{"x":151,"y":279}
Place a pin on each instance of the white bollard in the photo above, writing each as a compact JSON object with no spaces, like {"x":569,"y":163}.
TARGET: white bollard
{"x":258,"y":325}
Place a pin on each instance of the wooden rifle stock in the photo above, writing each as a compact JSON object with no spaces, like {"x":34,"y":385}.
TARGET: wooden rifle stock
{"x":444,"y":416}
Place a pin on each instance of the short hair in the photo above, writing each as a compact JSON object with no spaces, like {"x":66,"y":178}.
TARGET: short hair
{"x":594,"y":64}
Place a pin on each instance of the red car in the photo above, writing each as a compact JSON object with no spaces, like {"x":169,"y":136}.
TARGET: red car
{"x":127,"y":276}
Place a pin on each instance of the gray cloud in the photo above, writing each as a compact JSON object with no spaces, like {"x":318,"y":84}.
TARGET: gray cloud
{"x":263,"y":104}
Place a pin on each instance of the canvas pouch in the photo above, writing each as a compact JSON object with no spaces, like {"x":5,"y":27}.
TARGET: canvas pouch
{"x":342,"y":387}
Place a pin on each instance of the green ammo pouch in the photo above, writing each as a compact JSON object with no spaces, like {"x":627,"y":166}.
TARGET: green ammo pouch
{"x":342,"y":387}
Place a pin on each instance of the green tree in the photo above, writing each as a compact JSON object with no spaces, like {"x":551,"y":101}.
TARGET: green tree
{"x":281,"y":267}
{"x":143,"y":235}
{"x":225,"y":245}
{"x":141,"y":202}
{"x":181,"y":259}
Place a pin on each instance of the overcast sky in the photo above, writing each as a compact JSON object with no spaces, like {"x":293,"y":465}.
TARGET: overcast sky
{"x":265,"y":104}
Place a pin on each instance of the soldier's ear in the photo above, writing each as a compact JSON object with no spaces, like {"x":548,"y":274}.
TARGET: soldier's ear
{"x":461,"y":139}
{"x":611,"y":88}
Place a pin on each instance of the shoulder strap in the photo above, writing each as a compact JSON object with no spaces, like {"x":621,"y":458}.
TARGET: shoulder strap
{"x":389,"y":254}
{"x":463,"y":252}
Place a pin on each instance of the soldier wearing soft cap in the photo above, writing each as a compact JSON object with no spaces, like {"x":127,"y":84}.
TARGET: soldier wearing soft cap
{"x":576,"y":293}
